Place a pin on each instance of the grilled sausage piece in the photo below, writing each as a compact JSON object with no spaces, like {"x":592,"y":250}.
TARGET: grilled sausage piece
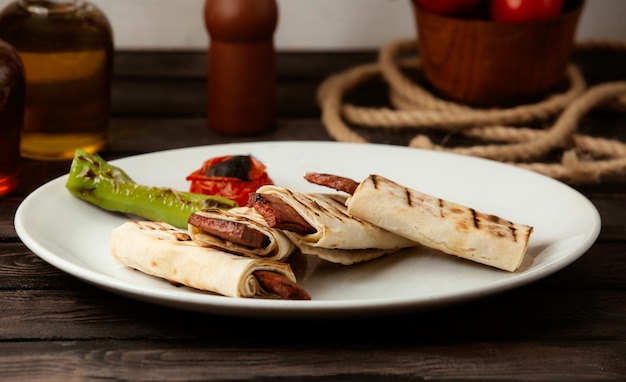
{"x":339,"y":183}
{"x":232,"y":231}
{"x":281,"y":285}
{"x":278,"y":214}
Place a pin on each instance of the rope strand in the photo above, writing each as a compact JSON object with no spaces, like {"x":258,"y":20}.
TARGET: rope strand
{"x":415,"y":108}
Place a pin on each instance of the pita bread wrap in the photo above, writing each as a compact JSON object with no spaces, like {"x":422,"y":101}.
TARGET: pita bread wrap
{"x":436,"y":223}
{"x":339,"y":237}
{"x":279,"y":246}
{"x":161,"y":250}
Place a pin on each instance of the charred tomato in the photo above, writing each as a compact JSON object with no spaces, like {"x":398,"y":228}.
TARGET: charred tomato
{"x":231,"y":176}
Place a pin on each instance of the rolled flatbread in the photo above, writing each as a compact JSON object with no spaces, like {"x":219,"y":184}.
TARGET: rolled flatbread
{"x":339,"y":237}
{"x":278,"y":247}
{"x":436,"y":223}
{"x":161,"y":250}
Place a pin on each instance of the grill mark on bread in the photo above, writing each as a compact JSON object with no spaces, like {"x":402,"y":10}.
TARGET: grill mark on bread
{"x":334,"y":207}
{"x":374,"y":179}
{"x":407,"y":192}
{"x":317,"y":209}
{"x":513,"y":231}
{"x":495,"y":219}
{"x":303,"y":205}
{"x":475,"y":218}
{"x":339,"y":209}
{"x":161,"y":228}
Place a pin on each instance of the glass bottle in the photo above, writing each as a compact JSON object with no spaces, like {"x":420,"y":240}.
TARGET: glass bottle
{"x":11,"y":116}
{"x":66,"y":47}
{"x":242,"y":79}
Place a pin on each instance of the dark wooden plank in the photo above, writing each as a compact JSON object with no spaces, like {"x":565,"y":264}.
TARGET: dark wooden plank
{"x":148,"y":133}
{"x":598,"y":65}
{"x":20,"y":269}
{"x":601,"y":267}
{"x":601,"y":64}
{"x":612,"y":208}
{"x":175,"y":83}
{"x":194,"y":64}
{"x":138,"y":65}
{"x":159,"y":98}
{"x":86,"y":312}
{"x":188,"y":98}
{"x":34,"y":173}
{"x":192,"y":360}
{"x":8,"y":206}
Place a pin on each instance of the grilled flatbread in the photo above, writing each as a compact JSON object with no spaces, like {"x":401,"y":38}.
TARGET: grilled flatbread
{"x":339,"y":237}
{"x":436,"y":223}
{"x":278,"y":247}
{"x":161,"y":250}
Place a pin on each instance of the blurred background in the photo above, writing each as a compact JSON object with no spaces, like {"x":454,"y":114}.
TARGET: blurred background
{"x":308,"y":24}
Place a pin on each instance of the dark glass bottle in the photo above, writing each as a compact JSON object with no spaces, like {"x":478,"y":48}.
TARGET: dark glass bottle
{"x":66,"y":47}
{"x":12,"y":87}
{"x":242,"y":69}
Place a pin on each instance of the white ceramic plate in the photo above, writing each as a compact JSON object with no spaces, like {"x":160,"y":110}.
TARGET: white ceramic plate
{"x":73,"y":235}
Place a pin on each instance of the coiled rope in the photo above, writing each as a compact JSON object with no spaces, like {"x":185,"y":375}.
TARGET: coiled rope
{"x":501,"y":131}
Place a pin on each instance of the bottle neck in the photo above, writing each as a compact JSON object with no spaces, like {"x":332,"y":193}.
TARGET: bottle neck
{"x":45,"y":7}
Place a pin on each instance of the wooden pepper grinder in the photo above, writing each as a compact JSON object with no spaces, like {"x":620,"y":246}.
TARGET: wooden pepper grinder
{"x":242,"y":68}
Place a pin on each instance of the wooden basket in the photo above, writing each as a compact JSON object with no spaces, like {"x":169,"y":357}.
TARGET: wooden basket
{"x":482,"y":62}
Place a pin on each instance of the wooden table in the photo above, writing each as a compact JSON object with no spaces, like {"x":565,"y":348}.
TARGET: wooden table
{"x":568,"y":326}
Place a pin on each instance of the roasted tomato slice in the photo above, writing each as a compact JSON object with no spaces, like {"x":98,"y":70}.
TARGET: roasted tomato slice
{"x":230,"y":176}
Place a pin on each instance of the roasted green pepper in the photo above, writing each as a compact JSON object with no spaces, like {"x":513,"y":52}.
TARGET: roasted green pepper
{"x":94,"y":180}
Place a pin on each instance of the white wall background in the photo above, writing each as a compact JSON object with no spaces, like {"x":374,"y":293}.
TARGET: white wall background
{"x":308,"y":24}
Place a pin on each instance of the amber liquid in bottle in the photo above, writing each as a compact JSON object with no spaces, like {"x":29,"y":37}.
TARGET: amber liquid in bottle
{"x":66,"y":48}
{"x":11,"y":116}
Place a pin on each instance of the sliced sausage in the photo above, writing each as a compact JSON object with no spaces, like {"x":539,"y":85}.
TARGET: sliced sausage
{"x":281,"y":285}
{"x":232,"y":231}
{"x":336,"y":182}
{"x":278,"y":214}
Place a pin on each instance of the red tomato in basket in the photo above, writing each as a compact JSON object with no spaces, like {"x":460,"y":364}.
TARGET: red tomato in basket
{"x":232,"y":176}
{"x":516,"y":11}
{"x":447,"y":7}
